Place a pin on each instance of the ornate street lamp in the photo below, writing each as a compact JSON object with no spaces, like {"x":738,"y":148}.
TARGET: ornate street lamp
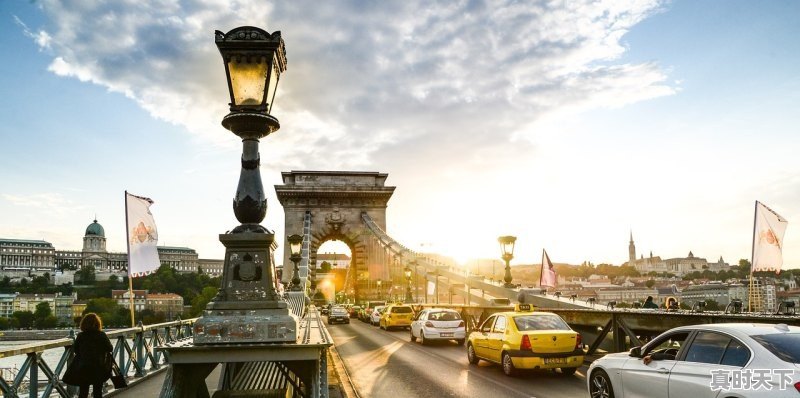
{"x":247,"y":308}
{"x":295,"y":245}
{"x":407,"y":272}
{"x":507,"y":247}
{"x":380,"y":292}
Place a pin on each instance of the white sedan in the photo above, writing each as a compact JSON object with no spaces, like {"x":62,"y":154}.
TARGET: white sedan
{"x":714,"y":360}
{"x":375,"y":316}
{"x":438,"y":324}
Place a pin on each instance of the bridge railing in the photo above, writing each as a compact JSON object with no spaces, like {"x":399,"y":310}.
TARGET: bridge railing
{"x":39,"y":375}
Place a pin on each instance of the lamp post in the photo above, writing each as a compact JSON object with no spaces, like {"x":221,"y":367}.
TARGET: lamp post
{"x":409,"y":296}
{"x":507,"y":248}
{"x":295,"y":246}
{"x":380,"y":292}
{"x":247,"y":308}
{"x":437,"y":284}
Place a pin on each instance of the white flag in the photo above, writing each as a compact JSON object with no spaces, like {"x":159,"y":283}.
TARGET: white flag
{"x":548,"y":276}
{"x":768,"y":239}
{"x":142,"y":236}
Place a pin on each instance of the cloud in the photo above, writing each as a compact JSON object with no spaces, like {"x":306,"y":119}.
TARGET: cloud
{"x":367,"y":80}
{"x":55,"y":204}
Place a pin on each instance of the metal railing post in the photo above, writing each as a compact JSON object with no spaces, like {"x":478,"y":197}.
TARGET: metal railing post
{"x":33,"y":377}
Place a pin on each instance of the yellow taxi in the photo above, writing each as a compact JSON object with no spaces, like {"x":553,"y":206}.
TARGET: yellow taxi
{"x":526,"y":339}
{"x":396,"y":315}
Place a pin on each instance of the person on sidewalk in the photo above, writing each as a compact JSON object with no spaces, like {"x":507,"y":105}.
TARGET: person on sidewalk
{"x":93,"y":355}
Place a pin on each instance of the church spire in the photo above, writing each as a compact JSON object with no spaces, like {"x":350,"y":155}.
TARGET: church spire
{"x":631,"y":252}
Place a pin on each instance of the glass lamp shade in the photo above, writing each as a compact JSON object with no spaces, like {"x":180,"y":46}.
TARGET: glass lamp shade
{"x":407,"y":272}
{"x":507,"y":244}
{"x":295,"y":244}
{"x":248,"y":81}
{"x":254,"y":60}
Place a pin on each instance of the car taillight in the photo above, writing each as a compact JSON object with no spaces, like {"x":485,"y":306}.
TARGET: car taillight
{"x":797,"y":386}
{"x":578,"y":341}
{"x":428,"y":324}
{"x":461,"y":324}
{"x":526,"y":343}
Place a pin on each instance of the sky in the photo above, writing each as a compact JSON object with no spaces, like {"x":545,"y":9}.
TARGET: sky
{"x":567,"y":124}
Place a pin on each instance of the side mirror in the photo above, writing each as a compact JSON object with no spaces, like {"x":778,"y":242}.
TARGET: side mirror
{"x":636,"y":352}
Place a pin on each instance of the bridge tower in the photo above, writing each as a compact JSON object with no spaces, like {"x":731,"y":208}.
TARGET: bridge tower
{"x":335,"y":201}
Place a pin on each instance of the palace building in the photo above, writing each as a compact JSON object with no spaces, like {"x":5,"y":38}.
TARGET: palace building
{"x":20,"y":258}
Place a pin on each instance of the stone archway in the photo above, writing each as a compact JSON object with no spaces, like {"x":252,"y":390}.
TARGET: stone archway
{"x":335,"y":201}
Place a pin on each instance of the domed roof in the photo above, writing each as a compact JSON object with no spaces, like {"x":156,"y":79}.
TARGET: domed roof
{"x":95,"y":229}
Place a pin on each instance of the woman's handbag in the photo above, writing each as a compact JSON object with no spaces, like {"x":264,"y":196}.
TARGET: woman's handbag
{"x":71,"y":374}
{"x":116,"y":375}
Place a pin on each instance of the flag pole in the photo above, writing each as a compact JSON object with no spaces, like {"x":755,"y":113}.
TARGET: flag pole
{"x":128,"y":243}
{"x":752,"y":255}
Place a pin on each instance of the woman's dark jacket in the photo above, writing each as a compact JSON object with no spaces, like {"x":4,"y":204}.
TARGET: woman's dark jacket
{"x":91,"y":349}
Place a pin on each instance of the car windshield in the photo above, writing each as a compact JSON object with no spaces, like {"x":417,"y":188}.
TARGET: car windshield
{"x":444,"y":316}
{"x":785,"y":346}
{"x":402,"y":310}
{"x":526,"y":323}
{"x":339,"y":310}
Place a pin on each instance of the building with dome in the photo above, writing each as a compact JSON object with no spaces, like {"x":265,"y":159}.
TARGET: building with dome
{"x":22,"y":258}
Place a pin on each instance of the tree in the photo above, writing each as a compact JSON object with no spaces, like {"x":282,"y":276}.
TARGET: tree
{"x":5,"y":323}
{"x":325,"y":267}
{"x":650,"y":283}
{"x":199,"y":302}
{"x":46,"y":323}
{"x":42,"y":310}
{"x":24,"y":319}
{"x":86,"y":274}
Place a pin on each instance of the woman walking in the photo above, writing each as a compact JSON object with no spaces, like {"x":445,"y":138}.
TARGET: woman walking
{"x":92,"y":347}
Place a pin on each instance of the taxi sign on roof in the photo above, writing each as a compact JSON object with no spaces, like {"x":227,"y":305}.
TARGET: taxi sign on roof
{"x":523,"y":308}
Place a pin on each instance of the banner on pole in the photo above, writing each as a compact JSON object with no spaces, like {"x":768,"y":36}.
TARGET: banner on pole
{"x":548,"y":276}
{"x":142,"y":236}
{"x":768,"y":231}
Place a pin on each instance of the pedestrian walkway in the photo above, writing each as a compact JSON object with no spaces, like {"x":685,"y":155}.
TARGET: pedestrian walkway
{"x":151,"y":386}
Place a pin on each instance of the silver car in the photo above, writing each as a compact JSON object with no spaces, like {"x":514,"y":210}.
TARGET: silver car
{"x":375,"y":316}
{"x":714,"y":360}
{"x":438,"y":324}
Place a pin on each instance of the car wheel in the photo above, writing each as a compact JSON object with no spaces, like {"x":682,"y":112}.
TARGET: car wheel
{"x":460,"y":341}
{"x":422,"y":338}
{"x":508,"y":365}
{"x":413,"y":338}
{"x":471,"y":356}
{"x":600,"y":385}
{"x":568,"y":371}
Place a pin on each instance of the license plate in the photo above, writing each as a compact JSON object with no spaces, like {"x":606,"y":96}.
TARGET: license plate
{"x":555,"y":360}
{"x":446,"y":334}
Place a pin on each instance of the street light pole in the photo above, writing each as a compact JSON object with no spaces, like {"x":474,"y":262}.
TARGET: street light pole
{"x":407,"y":272}
{"x":295,"y":246}
{"x":437,"y":285}
{"x":247,"y":299}
{"x":507,"y":247}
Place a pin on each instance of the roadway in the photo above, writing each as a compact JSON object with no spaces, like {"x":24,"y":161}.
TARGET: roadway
{"x":388,"y":364}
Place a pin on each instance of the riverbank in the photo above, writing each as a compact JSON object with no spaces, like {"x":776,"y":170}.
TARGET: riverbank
{"x":18,"y":335}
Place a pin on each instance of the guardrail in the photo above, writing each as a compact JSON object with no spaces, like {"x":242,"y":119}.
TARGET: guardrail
{"x":133,"y":352}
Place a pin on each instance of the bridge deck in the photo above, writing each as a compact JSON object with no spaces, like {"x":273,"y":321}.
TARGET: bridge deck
{"x":300,"y":365}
